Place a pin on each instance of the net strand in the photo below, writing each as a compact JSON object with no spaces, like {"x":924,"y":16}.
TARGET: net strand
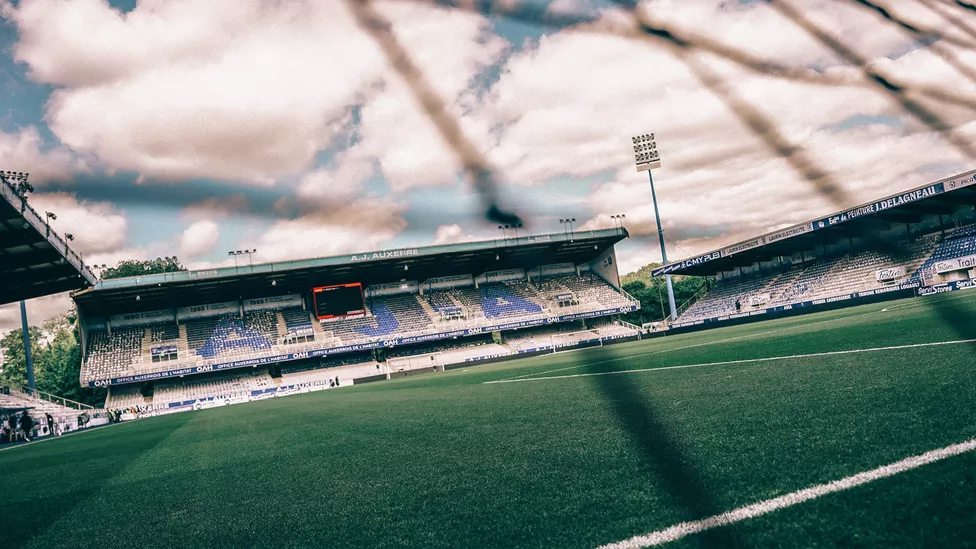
{"x":946,"y":13}
{"x":476,"y":167}
{"x":882,"y":83}
{"x":933,"y":41}
{"x":966,"y":6}
{"x":928,"y":36}
{"x":528,"y":13}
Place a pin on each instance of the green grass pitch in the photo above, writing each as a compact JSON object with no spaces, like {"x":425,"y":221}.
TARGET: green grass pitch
{"x":447,"y":460}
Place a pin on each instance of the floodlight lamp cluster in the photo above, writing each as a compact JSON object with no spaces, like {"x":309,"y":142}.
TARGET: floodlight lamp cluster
{"x":645,"y":152}
{"x":14,"y":176}
{"x":512,"y":226}
{"x":242,"y":252}
{"x":568,"y":220}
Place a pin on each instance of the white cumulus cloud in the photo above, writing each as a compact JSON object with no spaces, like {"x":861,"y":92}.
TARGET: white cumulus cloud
{"x":97,"y":227}
{"x":200,"y":238}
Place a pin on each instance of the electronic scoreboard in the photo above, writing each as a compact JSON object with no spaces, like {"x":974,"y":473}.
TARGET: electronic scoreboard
{"x":338,"y":301}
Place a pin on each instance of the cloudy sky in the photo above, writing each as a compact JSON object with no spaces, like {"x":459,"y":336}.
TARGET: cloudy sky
{"x":180,"y":127}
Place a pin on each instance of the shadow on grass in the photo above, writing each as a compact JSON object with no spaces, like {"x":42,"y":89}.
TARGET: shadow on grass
{"x":42,"y":483}
{"x":662,"y":453}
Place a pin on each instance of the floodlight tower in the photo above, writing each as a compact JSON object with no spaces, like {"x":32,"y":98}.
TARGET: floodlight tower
{"x":647,"y":158}
{"x":25,"y":335}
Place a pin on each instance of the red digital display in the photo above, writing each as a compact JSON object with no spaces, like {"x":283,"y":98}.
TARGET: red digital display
{"x":338,"y":300}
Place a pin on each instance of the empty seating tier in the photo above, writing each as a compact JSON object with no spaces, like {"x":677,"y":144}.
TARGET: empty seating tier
{"x":227,"y":338}
{"x":826,"y":277}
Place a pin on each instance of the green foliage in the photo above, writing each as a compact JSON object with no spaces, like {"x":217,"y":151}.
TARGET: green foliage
{"x":57,"y":360}
{"x":132,"y":267}
{"x":14,"y":371}
{"x":653,"y":293}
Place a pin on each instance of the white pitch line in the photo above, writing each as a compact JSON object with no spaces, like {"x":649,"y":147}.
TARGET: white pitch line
{"x":683,"y":529}
{"x":705,"y":344}
{"x":727,"y":362}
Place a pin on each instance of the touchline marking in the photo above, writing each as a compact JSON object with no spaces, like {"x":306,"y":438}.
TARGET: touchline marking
{"x":683,"y":529}
{"x":727,"y":362}
{"x":46,"y":438}
{"x":695,"y":345}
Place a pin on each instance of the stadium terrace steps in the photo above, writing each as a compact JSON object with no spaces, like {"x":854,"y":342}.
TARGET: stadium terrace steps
{"x":822,"y":278}
{"x":959,"y":243}
{"x":281,"y":324}
{"x":297,"y":321}
{"x":344,"y":372}
{"x":124,"y":396}
{"x":428,"y":308}
{"x":39,"y":407}
{"x":183,"y":346}
{"x":223,"y":384}
{"x":228,"y":338}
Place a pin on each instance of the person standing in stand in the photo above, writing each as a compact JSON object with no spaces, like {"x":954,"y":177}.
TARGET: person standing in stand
{"x":6,"y":431}
{"x":26,"y":425}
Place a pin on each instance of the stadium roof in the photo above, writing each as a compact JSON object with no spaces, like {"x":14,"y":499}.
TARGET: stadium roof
{"x":942,"y":197}
{"x":34,"y":260}
{"x":168,"y":290}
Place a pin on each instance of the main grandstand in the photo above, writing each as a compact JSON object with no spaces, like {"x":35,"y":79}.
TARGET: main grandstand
{"x":918,"y":242}
{"x":174,"y":341}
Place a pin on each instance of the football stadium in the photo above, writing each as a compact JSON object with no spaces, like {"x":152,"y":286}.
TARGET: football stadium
{"x":392,"y":372}
{"x":487,"y":394}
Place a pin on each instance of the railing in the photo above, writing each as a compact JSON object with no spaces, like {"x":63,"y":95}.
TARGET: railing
{"x":626,"y":324}
{"x":689,"y":302}
{"x":40,"y":225}
{"x":629,"y":297}
{"x":54,"y":399}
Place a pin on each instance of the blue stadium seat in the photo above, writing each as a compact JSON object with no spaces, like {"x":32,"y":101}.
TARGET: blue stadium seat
{"x":959,"y":243}
{"x":230,"y":335}
{"x":297,"y":321}
{"x":498,"y":301}
{"x":386,"y":323}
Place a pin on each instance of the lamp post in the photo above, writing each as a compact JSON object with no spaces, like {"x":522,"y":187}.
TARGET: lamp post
{"x":28,"y":359}
{"x":647,"y":159}
{"x":568,"y":222}
{"x":618,"y":220}
{"x":248,"y":253}
{"x":516,"y":227}
{"x":505,"y":228}
{"x":48,"y":218}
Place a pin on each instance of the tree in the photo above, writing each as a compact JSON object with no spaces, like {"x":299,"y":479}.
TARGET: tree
{"x":57,"y":360}
{"x":14,"y":370}
{"x":652,"y":293}
{"x":132,"y":267}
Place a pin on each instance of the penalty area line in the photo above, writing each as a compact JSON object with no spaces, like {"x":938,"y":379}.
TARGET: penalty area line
{"x":684,"y":529}
{"x":729,"y":362}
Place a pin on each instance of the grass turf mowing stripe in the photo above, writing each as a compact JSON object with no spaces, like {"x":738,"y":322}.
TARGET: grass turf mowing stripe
{"x":683,"y":529}
{"x":710,"y":343}
{"x":727,"y":362}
